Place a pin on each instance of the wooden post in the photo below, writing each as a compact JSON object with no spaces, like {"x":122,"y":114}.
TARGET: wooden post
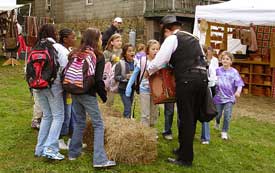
{"x":11,"y":61}
{"x":208,"y":35}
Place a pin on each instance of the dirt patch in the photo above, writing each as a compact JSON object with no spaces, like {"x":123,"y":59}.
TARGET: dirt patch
{"x":260,"y":108}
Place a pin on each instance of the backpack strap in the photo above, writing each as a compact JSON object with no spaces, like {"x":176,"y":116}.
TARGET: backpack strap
{"x":143,"y":64}
{"x":123,"y":68}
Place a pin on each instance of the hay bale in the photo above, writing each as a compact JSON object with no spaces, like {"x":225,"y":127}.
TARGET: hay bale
{"x":129,"y":142}
{"x":126,"y":141}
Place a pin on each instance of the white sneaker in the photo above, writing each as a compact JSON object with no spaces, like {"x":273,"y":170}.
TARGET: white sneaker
{"x":205,"y":142}
{"x":62,"y":145}
{"x":84,"y":145}
{"x":168,"y":137}
{"x":48,"y":152}
{"x":71,"y":158}
{"x":224,"y":135}
{"x":107,"y":164}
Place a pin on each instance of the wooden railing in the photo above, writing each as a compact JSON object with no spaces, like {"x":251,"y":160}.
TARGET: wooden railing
{"x":158,"y":7}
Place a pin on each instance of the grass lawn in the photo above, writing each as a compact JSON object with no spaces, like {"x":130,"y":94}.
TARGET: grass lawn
{"x":251,"y":147}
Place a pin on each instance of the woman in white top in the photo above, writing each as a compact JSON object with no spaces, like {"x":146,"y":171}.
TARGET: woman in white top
{"x":213,"y":63}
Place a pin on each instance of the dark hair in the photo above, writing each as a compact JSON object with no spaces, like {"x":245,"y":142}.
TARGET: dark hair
{"x":90,"y":38}
{"x":63,"y":33}
{"x":124,"y":50}
{"x":170,"y":26}
{"x":47,"y":30}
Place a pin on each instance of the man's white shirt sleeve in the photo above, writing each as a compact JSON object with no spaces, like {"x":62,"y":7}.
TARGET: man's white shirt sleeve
{"x":163,"y":56}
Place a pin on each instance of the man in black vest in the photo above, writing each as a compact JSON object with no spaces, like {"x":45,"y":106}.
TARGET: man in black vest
{"x":183,"y":51}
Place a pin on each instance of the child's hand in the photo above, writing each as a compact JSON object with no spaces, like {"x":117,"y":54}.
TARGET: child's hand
{"x":146,"y":74}
{"x":128,"y":76}
{"x":237,"y":94}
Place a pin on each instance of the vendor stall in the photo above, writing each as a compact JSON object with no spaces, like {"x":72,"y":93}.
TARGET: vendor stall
{"x":247,"y":29}
{"x":8,"y":30}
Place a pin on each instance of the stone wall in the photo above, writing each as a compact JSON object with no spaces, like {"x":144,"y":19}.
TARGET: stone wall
{"x":79,"y":16}
{"x":136,"y":23}
{"x":72,"y":10}
{"x":102,"y":9}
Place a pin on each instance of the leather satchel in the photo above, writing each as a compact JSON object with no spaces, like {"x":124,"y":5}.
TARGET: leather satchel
{"x":208,"y":109}
{"x":163,"y":86}
{"x":10,"y":43}
{"x":31,"y":28}
{"x":11,"y":36}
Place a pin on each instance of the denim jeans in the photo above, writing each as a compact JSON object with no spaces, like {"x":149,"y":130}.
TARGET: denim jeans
{"x":67,"y":116}
{"x":168,"y":118}
{"x":81,"y":105}
{"x":51,"y":103}
{"x":37,"y":112}
{"x":205,"y":131}
{"x":127,"y":103}
{"x":226,"y":109}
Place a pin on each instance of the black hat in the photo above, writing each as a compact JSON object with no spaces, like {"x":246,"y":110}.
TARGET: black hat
{"x":169,"y":19}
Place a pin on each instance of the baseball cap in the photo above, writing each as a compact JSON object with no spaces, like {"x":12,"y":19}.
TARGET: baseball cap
{"x":118,"y":19}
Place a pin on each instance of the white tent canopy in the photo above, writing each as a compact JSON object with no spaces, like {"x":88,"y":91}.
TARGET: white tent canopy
{"x":7,"y":5}
{"x":238,"y":12}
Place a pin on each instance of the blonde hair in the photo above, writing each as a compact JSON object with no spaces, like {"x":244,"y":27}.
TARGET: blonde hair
{"x":226,"y":53}
{"x":149,"y":44}
{"x":109,"y":46}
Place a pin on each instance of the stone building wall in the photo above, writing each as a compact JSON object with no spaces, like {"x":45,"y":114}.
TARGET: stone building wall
{"x":136,"y":23}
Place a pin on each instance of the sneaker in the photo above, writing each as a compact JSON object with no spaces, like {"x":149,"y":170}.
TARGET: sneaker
{"x":72,"y":158}
{"x":84,"y":145}
{"x":168,"y":137}
{"x":48,"y":152}
{"x":205,"y":142}
{"x":179,"y":162}
{"x":217,"y":126}
{"x":62,"y":145}
{"x":35,"y":124}
{"x":224,"y":135}
{"x":107,"y":164}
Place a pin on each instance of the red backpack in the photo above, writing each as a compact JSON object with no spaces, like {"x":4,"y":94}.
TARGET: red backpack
{"x":42,"y":65}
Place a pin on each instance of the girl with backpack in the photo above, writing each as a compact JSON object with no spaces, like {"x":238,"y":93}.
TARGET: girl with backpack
{"x":87,"y":102}
{"x":50,"y":98}
{"x":123,"y":71}
{"x":149,"y":111}
{"x":112,"y":54}
{"x":67,"y":42}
